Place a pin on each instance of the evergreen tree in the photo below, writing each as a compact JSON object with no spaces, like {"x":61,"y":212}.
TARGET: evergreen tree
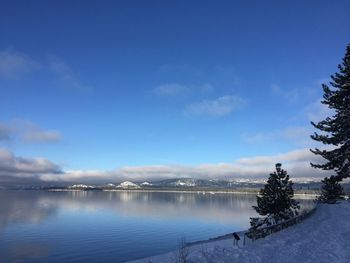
{"x":331,"y":190}
{"x":336,"y":129}
{"x":276,"y":198}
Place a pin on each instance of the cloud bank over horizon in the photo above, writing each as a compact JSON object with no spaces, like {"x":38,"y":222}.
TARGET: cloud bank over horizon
{"x":14,"y":166}
{"x":296,"y":162}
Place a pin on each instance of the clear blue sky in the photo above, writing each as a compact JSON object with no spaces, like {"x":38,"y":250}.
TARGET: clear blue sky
{"x":107,"y":84}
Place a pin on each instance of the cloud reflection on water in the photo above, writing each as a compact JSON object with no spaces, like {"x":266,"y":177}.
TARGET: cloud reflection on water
{"x":36,"y":206}
{"x":40,"y":225}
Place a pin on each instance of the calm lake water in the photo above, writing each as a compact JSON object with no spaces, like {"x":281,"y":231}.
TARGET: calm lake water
{"x":96,"y":226}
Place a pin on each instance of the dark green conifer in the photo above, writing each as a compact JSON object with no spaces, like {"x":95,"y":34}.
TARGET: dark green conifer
{"x":331,"y":190}
{"x":276,"y":198}
{"x":335,"y":130}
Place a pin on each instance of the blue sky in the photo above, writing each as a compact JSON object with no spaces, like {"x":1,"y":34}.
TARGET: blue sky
{"x":101,"y":86}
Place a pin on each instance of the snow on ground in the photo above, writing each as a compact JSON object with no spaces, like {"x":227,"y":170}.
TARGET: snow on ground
{"x":323,"y":237}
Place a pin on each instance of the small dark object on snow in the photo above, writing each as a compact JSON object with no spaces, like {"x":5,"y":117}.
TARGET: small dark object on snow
{"x":236,"y":238}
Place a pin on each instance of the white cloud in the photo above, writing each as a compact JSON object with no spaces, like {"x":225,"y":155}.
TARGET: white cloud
{"x":5,"y":132}
{"x":206,"y":88}
{"x":292,"y":95}
{"x":219,"y":107}
{"x":181,"y":69}
{"x":297,"y":133}
{"x":40,"y":136}
{"x":14,"y":64}
{"x":300,"y":155}
{"x":260,"y":137}
{"x":300,"y":135}
{"x":180,"y":90}
{"x":171,"y":89}
{"x":28,"y":131}
{"x":67,"y":75}
{"x":316,"y":111}
{"x":297,"y":163}
{"x":78,"y":176}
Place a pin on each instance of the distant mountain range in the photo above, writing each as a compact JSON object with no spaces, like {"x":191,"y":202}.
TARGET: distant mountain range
{"x":182,"y":183}
{"x":189,"y":183}
{"x":229,"y":184}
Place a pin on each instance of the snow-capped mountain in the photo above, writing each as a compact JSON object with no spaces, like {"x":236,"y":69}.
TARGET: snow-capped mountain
{"x":215,"y":183}
{"x":128,"y":184}
{"x":236,"y":183}
{"x":185,"y":182}
{"x":80,"y":186}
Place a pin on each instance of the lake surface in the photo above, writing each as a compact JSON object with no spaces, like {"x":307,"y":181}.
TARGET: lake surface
{"x":96,"y":226}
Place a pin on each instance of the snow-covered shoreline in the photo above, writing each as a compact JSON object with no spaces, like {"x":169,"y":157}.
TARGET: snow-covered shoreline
{"x":323,"y":237}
